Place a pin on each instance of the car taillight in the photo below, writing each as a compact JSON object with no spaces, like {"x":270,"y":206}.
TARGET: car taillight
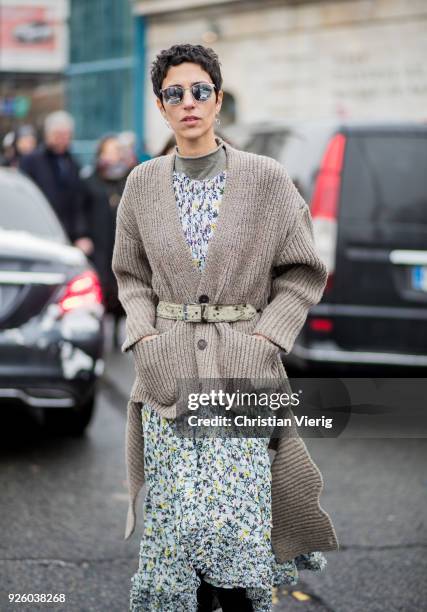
{"x":325,"y":201}
{"x":81,"y":291}
{"x":320,"y":324}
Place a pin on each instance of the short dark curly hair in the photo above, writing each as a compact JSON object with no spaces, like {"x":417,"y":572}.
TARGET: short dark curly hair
{"x":205,"y":57}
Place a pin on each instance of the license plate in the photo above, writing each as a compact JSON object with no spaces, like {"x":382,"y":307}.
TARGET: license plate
{"x":419,"y":278}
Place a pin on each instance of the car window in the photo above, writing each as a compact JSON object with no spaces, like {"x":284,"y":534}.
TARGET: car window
{"x":24,"y":208}
{"x":269,"y":143}
{"x":385,"y":178}
{"x":298,"y":149}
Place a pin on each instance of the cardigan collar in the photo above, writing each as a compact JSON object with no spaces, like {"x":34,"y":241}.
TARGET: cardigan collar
{"x":231,"y":212}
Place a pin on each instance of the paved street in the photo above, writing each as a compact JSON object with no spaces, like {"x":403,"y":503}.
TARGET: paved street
{"x":256,"y":164}
{"x":64,"y":504}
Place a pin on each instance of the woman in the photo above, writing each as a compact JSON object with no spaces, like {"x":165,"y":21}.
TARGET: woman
{"x":104,"y":188}
{"x":217,"y":515}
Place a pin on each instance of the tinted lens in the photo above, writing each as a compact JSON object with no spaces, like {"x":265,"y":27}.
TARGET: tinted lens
{"x":173,"y":95}
{"x":202,"y":91}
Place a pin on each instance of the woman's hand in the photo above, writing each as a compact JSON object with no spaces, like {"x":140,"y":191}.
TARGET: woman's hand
{"x":148,"y":337}
{"x":264,"y":338}
{"x":86,"y":245}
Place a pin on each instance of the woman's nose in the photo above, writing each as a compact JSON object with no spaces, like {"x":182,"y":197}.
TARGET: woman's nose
{"x":188,"y":99}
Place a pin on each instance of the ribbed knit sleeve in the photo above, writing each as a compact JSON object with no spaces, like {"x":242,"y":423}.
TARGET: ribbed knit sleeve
{"x":299,"y":280}
{"x":131,"y":268}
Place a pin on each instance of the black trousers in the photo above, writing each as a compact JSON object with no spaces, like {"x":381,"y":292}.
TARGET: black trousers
{"x":230,"y":600}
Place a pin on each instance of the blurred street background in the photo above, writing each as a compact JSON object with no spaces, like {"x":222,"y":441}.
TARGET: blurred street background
{"x":336,"y":90}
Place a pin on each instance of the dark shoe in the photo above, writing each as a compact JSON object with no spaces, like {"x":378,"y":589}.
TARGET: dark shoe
{"x":233,"y":600}
{"x":207,"y":600}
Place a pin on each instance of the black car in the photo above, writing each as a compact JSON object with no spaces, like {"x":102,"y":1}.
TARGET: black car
{"x":51,"y":312}
{"x":366,"y":184}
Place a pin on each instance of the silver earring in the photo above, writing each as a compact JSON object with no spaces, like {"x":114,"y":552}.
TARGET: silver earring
{"x":167,"y":123}
{"x":217,"y":120}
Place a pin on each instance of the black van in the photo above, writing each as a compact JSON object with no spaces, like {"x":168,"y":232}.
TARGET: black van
{"x":366,"y":185}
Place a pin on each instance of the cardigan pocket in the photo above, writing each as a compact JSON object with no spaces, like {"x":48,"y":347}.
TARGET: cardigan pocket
{"x":155,"y":364}
{"x":251,"y":362}
{"x":244,"y":356}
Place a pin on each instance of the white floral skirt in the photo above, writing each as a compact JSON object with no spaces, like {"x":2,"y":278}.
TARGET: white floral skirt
{"x":207,"y":510}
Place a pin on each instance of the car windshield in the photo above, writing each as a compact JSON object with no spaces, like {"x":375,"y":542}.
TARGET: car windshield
{"x":25,"y":209}
{"x":385,"y":178}
{"x":268,"y":143}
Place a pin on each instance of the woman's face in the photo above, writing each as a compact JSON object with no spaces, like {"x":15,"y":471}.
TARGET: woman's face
{"x":26,"y":144}
{"x":187,"y":74}
{"x":111,"y":151}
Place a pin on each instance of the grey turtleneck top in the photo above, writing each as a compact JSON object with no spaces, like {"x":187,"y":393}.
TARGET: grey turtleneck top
{"x":202,"y":166}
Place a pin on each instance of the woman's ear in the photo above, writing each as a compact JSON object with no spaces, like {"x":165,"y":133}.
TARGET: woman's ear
{"x":160,"y":106}
{"x":219,"y":101}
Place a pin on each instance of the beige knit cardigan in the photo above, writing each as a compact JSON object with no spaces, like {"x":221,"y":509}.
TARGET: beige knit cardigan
{"x":262,"y":253}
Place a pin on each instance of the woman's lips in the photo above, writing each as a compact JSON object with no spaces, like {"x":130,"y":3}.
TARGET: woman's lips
{"x":190,"y":120}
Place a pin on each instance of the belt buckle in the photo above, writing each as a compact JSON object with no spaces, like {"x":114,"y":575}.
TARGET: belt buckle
{"x":203,"y":318}
{"x":185,"y":312}
{"x":202,"y":311}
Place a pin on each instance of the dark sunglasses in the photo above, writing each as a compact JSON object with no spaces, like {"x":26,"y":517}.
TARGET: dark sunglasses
{"x":175,"y":93}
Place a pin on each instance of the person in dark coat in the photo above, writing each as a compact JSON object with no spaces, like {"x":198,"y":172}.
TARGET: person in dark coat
{"x":55,"y":171}
{"x":17,"y":144}
{"x":104,"y":188}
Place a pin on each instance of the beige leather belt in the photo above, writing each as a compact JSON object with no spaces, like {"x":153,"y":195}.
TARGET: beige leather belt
{"x":205,"y":313}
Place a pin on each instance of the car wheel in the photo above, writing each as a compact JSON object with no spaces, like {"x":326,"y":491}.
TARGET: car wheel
{"x":71,"y":422}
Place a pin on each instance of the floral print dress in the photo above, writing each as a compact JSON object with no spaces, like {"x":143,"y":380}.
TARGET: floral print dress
{"x":207,"y":508}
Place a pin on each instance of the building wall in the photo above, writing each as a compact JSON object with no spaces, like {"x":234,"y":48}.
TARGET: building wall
{"x":351,"y":59}
{"x":100,"y":74}
{"x":24,"y":47}
{"x":32,"y":61}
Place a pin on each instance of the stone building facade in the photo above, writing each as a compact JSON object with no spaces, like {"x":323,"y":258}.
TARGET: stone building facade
{"x":300,"y":59}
